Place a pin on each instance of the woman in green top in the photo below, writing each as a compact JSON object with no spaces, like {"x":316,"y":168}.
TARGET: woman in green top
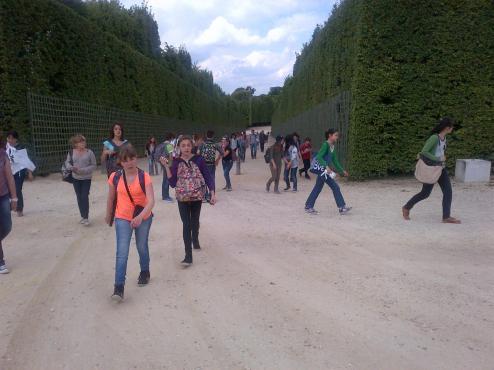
{"x":325,"y":166}
{"x":433,"y":154}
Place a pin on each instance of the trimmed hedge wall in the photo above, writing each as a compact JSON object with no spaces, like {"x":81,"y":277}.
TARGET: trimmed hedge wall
{"x":47,"y":48}
{"x":407,"y":64}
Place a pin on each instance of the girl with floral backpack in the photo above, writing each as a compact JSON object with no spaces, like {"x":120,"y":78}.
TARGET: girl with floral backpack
{"x":189,"y":175}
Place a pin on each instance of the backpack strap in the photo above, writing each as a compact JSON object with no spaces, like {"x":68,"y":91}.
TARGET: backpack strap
{"x":142,"y":182}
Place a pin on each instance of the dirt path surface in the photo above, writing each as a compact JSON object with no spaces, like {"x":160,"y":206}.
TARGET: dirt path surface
{"x":273,"y":287}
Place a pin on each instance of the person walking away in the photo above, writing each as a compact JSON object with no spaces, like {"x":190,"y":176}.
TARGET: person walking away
{"x":253,"y":144}
{"x":433,"y":154}
{"x":130,"y":203}
{"x":306,"y":153}
{"x":262,"y":140}
{"x":212,"y":153}
{"x":276,"y":157}
{"x":8,"y":202}
{"x":287,"y":161}
{"x":111,"y":147}
{"x":189,"y":176}
{"x":21,"y":167}
{"x":198,"y":141}
{"x":82,"y":163}
{"x":227,"y":162}
{"x":150,"y":151}
{"x":294,"y":160}
{"x":165,"y":151}
{"x":325,"y":165}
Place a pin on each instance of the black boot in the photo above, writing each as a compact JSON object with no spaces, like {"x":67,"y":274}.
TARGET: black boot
{"x":118,"y":293}
{"x":143,"y":279}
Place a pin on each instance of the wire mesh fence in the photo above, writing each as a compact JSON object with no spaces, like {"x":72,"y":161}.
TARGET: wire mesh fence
{"x":54,"y":120}
{"x":333,"y":113}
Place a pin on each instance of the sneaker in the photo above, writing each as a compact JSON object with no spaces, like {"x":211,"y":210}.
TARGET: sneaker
{"x":451,"y":220}
{"x":286,"y":189}
{"x":187,"y":261}
{"x":143,"y":279}
{"x":85,"y":222}
{"x":277,"y":191}
{"x":169,"y":200}
{"x":229,"y":189}
{"x":307,"y":177}
{"x":344,"y":210}
{"x":20,"y":214}
{"x":224,"y":188}
{"x":311,"y":211}
{"x":81,"y":221}
{"x":4,"y":269}
{"x":118,"y":293}
{"x":294,"y":190}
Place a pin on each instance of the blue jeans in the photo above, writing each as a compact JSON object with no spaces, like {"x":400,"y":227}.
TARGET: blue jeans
{"x":212,"y":171}
{"x":81,"y":188}
{"x":227,"y":166}
{"x":124,"y":231}
{"x":5,"y":222}
{"x":290,"y":174}
{"x":165,"y":187}
{"x":338,"y":197}
{"x":253,"y":150}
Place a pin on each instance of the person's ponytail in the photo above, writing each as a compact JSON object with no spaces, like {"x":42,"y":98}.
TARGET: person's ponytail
{"x":442,"y":124}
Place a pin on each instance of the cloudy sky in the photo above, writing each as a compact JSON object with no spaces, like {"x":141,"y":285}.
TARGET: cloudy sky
{"x":243,"y":42}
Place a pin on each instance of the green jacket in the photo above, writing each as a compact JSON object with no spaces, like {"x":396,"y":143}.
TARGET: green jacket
{"x":323,"y":152}
{"x":429,"y":149}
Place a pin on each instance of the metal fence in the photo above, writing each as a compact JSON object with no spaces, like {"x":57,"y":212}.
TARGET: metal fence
{"x":54,"y":120}
{"x":334,"y":113}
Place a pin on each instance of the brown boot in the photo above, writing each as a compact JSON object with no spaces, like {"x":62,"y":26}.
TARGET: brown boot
{"x":406,"y":213}
{"x":451,"y":220}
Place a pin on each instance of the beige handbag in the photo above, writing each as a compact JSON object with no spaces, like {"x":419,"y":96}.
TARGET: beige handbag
{"x":427,"y":174}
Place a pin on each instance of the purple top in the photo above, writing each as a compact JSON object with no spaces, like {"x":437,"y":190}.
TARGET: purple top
{"x":4,"y":162}
{"x":201,"y":163}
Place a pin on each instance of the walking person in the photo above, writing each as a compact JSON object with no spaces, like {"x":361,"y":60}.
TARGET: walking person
{"x":291,"y":163}
{"x":227,"y":162}
{"x":253,"y":140}
{"x":189,"y":176}
{"x":433,"y":154}
{"x":306,"y":153}
{"x":325,"y":165}
{"x":165,"y":151}
{"x":150,"y":151}
{"x":82,"y":162}
{"x":20,"y":165}
{"x":111,"y":147}
{"x":275,"y":156}
{"x":262,"y":140}
{"x":8,"y":202}
{"x":212,"y":153}
{"x":130,"y":202}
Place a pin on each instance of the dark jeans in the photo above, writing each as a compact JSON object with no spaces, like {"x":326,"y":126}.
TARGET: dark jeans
{"x":306,"y":168}
{"x":190,"y":213}
{"x":275,"y":176}
{"x":253,"y":150}
{"x":445,"y":185}
{"x":262,"y":147}
{"x":320,"y":181}
{"x":82,"y":188}
{"x":165,"y":187}
{"x":290,"y":174}
{"x":5,"y":222}
{"x":212,"y":171}
{"x":227,"y":166}
{"x":19,"y":178}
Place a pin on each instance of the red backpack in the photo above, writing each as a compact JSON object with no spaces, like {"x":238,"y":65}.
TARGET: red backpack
{"x":190,"y":182}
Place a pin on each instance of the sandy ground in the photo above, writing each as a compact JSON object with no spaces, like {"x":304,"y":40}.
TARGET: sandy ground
{"x":273,"y":287}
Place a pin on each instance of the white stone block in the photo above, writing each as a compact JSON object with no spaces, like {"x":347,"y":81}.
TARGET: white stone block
{"x":472,"y":170}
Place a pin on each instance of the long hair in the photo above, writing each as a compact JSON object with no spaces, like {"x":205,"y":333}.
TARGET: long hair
{"x":442,"y":124}
{"x":112,"y":133}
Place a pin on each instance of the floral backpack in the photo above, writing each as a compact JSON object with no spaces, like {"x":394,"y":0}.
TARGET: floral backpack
{"x":190,"y":182}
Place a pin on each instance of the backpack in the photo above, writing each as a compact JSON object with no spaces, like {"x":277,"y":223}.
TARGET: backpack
{"x":208,"y":152}
{"x":190,"y":182}
{"x":116,"y":179}
{"x":268,"y":155}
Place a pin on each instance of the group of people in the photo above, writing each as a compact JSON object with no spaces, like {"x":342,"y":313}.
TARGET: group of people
{"x":189,"y":165}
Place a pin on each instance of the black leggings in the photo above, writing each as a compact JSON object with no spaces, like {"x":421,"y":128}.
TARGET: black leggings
{"x":190,"y":213}
{"x":305,"y":168}
{"x":445,"y":185}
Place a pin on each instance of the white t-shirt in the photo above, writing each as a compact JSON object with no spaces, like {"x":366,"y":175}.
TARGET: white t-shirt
{"x":293,"y":151}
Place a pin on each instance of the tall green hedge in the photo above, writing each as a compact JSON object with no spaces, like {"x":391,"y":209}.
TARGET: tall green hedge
{"x":407,"y":63}
{"x":48,"y":48}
